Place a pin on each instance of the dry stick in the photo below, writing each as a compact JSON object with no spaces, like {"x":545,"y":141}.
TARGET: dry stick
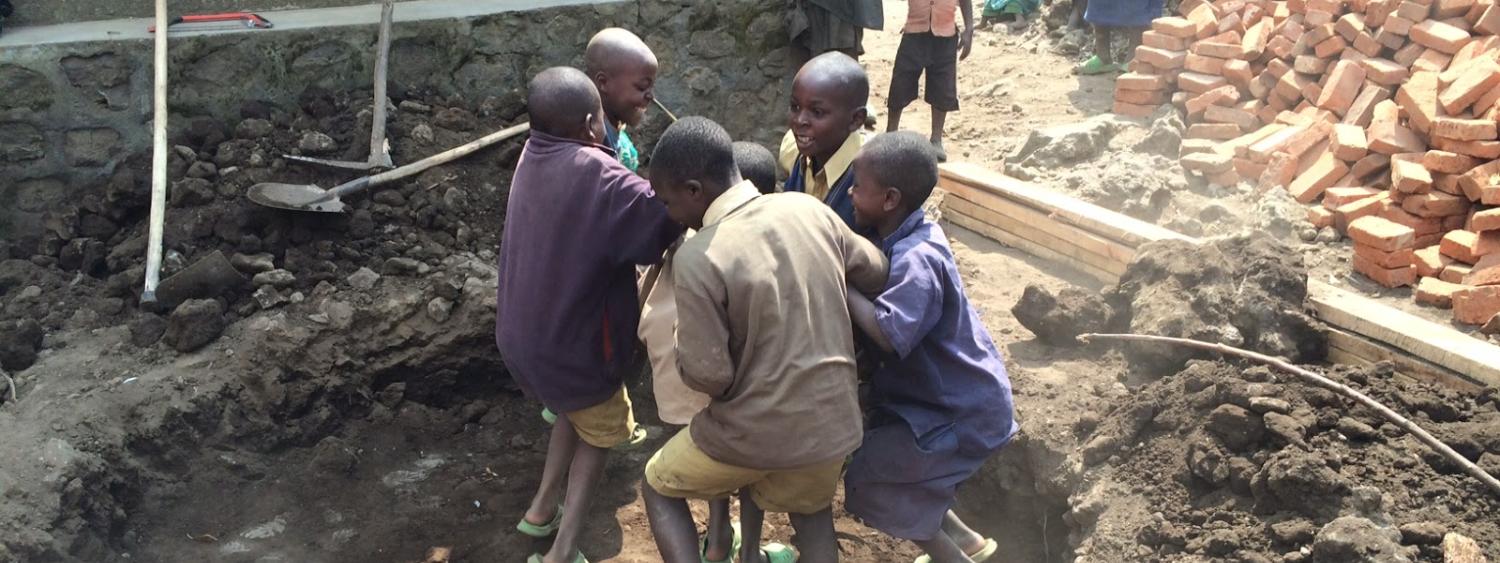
{"x":664,"y":109}
{"x":158,"y":159}
{"x":1329,"y":384}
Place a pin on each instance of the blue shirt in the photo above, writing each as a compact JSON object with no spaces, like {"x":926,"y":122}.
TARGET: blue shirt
{"x":947,"y":370}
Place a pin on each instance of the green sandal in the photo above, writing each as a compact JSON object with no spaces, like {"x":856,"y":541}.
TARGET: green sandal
{"x":778,"y":553}
{"x":541,"y":531}
{"x":734,"y":548}
{"x":984,"y":553}
{"x":537,"y":558}
{"x":1095,"y":66}
{"x":549,"y":416}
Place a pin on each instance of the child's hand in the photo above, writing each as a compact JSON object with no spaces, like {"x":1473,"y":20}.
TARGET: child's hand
{"x":965,"y":43}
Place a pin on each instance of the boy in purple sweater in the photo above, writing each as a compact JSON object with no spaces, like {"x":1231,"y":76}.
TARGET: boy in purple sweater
{"x":576,"y":225}
{"x":941,"y":403}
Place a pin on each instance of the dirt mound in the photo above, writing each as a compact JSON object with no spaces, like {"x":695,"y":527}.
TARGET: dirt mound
{"x":1239,"y":464}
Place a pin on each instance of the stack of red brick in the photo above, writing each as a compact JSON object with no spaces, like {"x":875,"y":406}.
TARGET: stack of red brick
{"x":1382,"y":109}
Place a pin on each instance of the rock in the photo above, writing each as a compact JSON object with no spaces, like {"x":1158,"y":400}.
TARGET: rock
{"x":1270,"y":404}
{"x":1061,"y":145}
{"x":251,"y":129}
{"x":1356,"y":430}
{"x":363,"y":279}
{"x":422,"y":133}
{"x":339,"y":315}
{"x":1236,"y":428}
{"x":1351,"y":539}
{"x":448,"y":288}
{"x":333,"y":456}
{"x":236,"y":153}
{"x":454,"y":119}
{"x":276,"y":278}
{"x":414,"y":107}
{"x":392,"y":198}
{"x":400,"y":266}
{"x":314,"y":142}
{"x":1300,"y":481}
{"x":268,"y":297}
{"x":1207,"y":462}
{"x":194,"y":324}
{"x":253,"y":263}
{"x":1492,"y":327}
{"x":1164,"y":138}
{"x":1058,"y":320}
{"x":1328,"y":235}
{"x":439,"y":309}
{"x":19,"y":342}
{"x":1293,"y":532}
{"x":1421,"y":533}
{"x":29,"y":292}
{"x":392,"y":395}
{"x":147,"y":330}
{"x":1458,"y":548}
{"x":1285,"y":427}
{"x":190,"y":192}
{"x":95,"y":226}
{"x":202,"y":169}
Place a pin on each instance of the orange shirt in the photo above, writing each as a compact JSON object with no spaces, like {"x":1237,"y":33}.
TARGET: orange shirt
{"x":935,"y":16}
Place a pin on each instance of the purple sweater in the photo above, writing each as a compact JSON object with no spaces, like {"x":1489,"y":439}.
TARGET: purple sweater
{"x":576,"y":225}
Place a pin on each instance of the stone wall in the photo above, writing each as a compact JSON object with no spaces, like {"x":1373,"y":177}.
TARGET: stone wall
{"x":31,"y":12}
{"x":73,"y":113}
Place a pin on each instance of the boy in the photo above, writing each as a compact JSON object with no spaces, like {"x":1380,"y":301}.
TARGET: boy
{"x":827,"y":112}
{"x":942,"y":404}
{"x":762,"y":331}
{"x":931,"y":42}
{"x":623,"y":68}
{"x":577,"y":223}
{"x":756,"y":165}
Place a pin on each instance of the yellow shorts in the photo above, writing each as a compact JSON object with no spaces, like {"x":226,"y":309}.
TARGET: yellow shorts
{"x":681,"y":470}
{"x":607,"y":424}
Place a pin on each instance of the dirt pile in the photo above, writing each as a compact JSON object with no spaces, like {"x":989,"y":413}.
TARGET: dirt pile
{"x":1244,"y":291}
{"x":1266,"y":468}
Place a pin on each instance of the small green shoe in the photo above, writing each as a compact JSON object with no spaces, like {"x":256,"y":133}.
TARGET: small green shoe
{"x":537,"y":558}
{"x":778,"y":553}
{"x":549,"y":416}
{"x":1094,"y":66}
{"x":541,"y":531}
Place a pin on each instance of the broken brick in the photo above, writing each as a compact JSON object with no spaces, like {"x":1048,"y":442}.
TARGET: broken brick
{"x":1487,"y":220}
{"x":1320,"y":176}
{"x":1436,"y":292}
{"x":1208,"y":162}
{"x":1349,"y":142}
{"x":1133,"y":110}
{"x":1485,"y":272}
{"x":1408,"y":175}
{"x":1430,"y":262}
{"x":1175,"y":27}
{"x":1468,"y":246}
{"x":1215,"y":131}
{"x":1319,"y":217}
{"x":1476,"y":305}
{"x":1240,"y":118}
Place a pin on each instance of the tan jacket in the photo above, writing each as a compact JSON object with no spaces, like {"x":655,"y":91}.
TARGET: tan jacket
{"x":763,"y":329}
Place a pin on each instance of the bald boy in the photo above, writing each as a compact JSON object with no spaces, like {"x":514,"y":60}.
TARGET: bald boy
{"x":826,"y":117}
{"x":577,"y":224}
{"x":623,"y":68}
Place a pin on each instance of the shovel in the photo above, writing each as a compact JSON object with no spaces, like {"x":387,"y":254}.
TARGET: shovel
{"x":206,"y":278}
{"x":307,"y":197}
{"x":380,"y":150}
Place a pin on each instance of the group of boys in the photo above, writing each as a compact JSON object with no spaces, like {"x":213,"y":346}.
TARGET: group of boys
{"x":748,"y":315}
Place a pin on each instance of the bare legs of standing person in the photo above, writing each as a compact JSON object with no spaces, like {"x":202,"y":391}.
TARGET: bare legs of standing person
{"x":577,"y":465}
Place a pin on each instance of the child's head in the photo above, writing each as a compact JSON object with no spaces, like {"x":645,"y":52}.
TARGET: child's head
{"x":624,"y":70}
{"x":828,"y":104}
{"x":693,"y":163}
{"x":563,"y":103}
{"x":893,"y":176}
{"x":756,"y":165}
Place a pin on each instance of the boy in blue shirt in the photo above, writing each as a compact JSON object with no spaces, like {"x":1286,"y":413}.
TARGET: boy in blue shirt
{"x":941,"y":403}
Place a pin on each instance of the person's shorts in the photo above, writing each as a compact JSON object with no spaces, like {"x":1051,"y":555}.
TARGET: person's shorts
{"x":902,"y":484}
{"x":681,"y":470}
{"x":607,"y":424}
{"x":938,"y":57}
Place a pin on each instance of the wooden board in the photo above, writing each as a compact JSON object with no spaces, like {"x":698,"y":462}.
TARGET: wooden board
{"x":1472,"y":359}
{"x":963,"y":178}
{"x":1076,"y":243}
{"x":1026,"y":245}
{"x":1352,"y":349}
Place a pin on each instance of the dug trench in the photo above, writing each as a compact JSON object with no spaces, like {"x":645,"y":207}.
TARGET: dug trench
{"x":346,"y":404}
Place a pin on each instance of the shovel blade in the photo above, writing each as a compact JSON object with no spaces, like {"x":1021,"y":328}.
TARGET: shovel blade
{"x":295,"y":197}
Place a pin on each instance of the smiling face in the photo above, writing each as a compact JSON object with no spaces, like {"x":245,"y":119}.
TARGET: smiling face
{"x":627,"y":90}
{"x":874,"y":203}
{"x":822,"y":115}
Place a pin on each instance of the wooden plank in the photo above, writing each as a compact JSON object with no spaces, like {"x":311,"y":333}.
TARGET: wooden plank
{"x":1099,"y":252}
{"x":1026,"y":246}
{"x":1115,"y":226}
{"x":1472,"y":359}
{"x":1070,"y":254}
{"x":1353,"y":349}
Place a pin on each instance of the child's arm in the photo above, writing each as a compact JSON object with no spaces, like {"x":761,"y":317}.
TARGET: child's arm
{"x":702,"y":328}
{"x":908,"y":308}
{"x":865,"y":266}
{"x":966,"y":37}
{"x":642,"y":230}
{"x":862,"y":311}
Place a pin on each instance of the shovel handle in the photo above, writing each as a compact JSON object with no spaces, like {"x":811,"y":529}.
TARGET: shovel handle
{"x":378,"y":152}
{"x":419,"y":166}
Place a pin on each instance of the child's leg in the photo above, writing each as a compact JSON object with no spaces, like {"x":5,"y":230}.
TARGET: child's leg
{"x":1102,"y":45}
{"x":816,"y":542}
{"x":752,"y":518}
{"x":720,"y":536}
{"x":584,"y":475}
{"x":966,"y":538}
{"x":906,"y":74}
{"x":672,"y":525}
{"x":1075,"y":21}
{"x":939,"y":118}
{"x":942,"y":549}
{"x":560,"y":448}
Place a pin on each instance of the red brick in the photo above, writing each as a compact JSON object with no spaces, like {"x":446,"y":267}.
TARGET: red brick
{"x":1355,"y":210}
{"x":1349,"y":142}
{"x":1319,"y":217}
{"x":1370,"y":164}
{"x":1377,"y":11}
{"x":1330,"y":47}
{"x":1448,"y":184}
{"x":1317,"y":34}
{"x":1437,"y":204}
{"x":1292,"y":85}
{"x":1343,"y":86}
{"x":1436,"y":292}
{"x":1175,"y":27}
{"x":1388,"y":277}
{"x":1317,"y":17}
{"x":1150,"y":98}
{"x":1215,"y":131}
{"x":1397,"y":259}
{"x":1309,"y":64}
{"x":1445,"y":162}
{"x":1208,"y":162}
{"x":1192,"y":146}
{"x":1431,"y":60}
{"x":1241,"y":144}
{"x":1366,"y":44}
{"x":1384,"y":72}
{"x":1350,"y":25}
{"x":1222,"y":96}
{"x":1201,"y":64}
{"x":1198,"y":83}
{"x":1256,"y":37}
{"x":1320,"y":176}
{"x":1419,"y":225}
{"x":1262,"y":150}
{"x":1469,"y":246}
{"x":1408,"y":175}
{"x":1392,"y":138}
{"x":1137,"y":81}
{"x":1455,"y":272}
{"x":1455,"y":223}
{"x":1338,"y":196}
{"x":1133,"y":110}
{"x":1485,"y":272}
{"x":1220,"y":114}
{"x":1476,"y":305}
{"x":1381,"y":234}
{"x":1484,"y":150}
{"x":1464,"y":129}
{"x":1469,"y":87}
{"x":1430,"y":262}
{"x":1279,"y":172}
{"x":1231,"y":23}
{"x":1238,"y":73}
{"x":1397,"y":25}
{"x":1413,"y":11}
{"x":1407,"y":55}
{"x":1280,"y":46}
{"x":1219,"y":50}
{"x":1487,"y":220}
{"x":1419,"y":98}
{"x":1444,"y":9}
{"x":1227,"y":178}
{"x":1489,"y":22}
{"x":1363,"y":108}
{"x":1475,"y":181}
{"x":1160,"y":58}
{"x":1439,"y":36}
{"x":1206,"y":21}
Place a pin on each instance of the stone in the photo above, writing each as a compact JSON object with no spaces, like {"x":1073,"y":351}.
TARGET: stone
{"x":1059,"y":319}
{"x":192,"y":192}
{"x":454,"y":119}
{"x":334,"y":457}
{"x":1164,"y":138}
{"x":1297,"y":531}
{"x":1237,"y":428}
{"x":91,"y":147}
{"x":236,"y":153}
{"x":1422,"y":533}
{"x":422,"y":133}
{"x":314,"y":142}
{"x":276,"y":278}
{"x":363,"y":279}
{"x":1264,"y":405}
{"x":1458,"y":548}
{"x":29,"y":292}
{"x":252,"y":129}
{"x":97,"y":72}
{"x":392,"y":198}
{"x":1289,"y":429}
{"x":19,"y":342}
{"x":147,"y":330}
{"x":202,"y":169}
{"x":96,"y":226}
{"x":25,"y":89}
{"x":21,"y":141}
{"x":414,"y":107}
{"x":439,"y":309}
{"x":401,"y":266}
{"x":194,"y":324}
{"x":268,"y":297}
{"x":253,"y":263}
{"x":1352,"y":539}
{"x":1064,"y":144}
{"x":1295,"y":481}
{"x":1356,"y":430}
